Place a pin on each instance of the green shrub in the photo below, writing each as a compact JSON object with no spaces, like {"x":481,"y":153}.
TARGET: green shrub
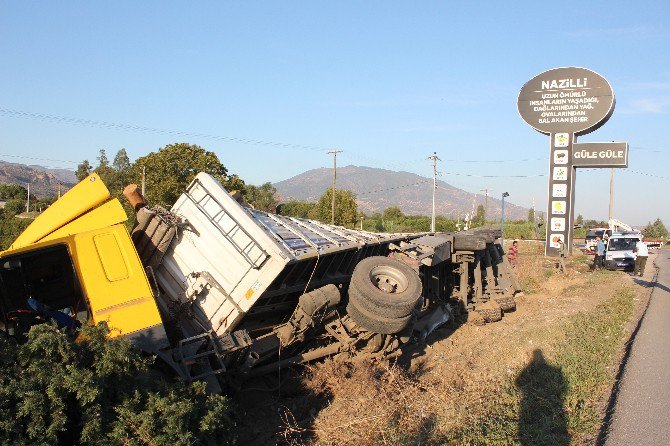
{"x":55,"y":390}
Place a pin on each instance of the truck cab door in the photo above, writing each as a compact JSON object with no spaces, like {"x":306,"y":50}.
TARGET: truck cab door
{"x":117,"y":288}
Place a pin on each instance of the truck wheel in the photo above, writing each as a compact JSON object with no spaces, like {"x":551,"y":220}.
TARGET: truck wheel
{"x":385,"y":287}
{"x":490,"y":312}
{"x":375,"y":323}
{"x":507,"y":304}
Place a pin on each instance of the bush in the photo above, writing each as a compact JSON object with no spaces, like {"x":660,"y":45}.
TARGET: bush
{"x":55,"y":390}
{"x":15,"y":206}
{"x":10,"y":228}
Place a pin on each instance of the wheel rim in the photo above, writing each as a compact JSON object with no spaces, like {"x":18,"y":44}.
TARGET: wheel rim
{"x":388,"y":279}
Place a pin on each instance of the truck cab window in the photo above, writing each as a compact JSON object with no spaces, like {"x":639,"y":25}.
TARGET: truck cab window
{"x":40,"y":286}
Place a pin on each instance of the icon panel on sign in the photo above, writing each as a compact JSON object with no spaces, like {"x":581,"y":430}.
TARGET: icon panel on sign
{"x":558,"y":207}
{"x":560,"y":156}
{"x":561,"y":140}
{"x":555,"y":240}
{"x":560,"y":173}
{"x":558,"y":224}
{"x":559,"y":190}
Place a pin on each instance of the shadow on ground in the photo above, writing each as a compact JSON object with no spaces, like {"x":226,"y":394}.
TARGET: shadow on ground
{"x":649,"y":284}
{"x":542,"y":419}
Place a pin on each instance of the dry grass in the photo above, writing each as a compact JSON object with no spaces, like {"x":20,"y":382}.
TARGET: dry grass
{"x":541,"y":376}
{"x":553,"y":394}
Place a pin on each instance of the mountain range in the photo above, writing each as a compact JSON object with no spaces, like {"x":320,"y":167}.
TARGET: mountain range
{"x":44,"y":182}
{"x":377,"y":189}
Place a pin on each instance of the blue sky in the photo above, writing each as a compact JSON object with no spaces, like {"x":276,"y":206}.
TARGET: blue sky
{"x":386,"y":82}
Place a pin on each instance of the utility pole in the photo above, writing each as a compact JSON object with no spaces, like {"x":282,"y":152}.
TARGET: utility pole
{"x":28,"y":202}
{"x":435,"y":159}
{"x":486,"y":204}
{"x":502,"y":220}
{"x":611,"y":194}
{"x":144,"y":182}
{"x":533,"y":209}
{"x":332,"y":209}
{"x":59,"y":190}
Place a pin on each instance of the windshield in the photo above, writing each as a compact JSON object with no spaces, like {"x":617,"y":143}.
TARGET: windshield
{"x":622,"y":244}
{"x":593,"y":234}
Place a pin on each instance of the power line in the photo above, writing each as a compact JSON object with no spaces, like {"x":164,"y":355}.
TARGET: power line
{"x":493,"y":176}
{"x":646,"y":174}
{"x":39,"y":159}
{"x":143,"y":129}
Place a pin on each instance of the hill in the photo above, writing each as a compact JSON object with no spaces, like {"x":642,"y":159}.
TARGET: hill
{"x":377,"y":189}
{"x":43,"y":182}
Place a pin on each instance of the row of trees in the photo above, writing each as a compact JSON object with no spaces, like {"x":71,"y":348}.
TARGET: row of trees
{"x":167,"y":171}
{"x":170,"y":169}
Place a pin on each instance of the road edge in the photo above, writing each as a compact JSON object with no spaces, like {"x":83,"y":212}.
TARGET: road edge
{"x":625,"y":355}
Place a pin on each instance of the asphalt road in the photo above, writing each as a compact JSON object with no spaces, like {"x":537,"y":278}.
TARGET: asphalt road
{"x":642,"y":410}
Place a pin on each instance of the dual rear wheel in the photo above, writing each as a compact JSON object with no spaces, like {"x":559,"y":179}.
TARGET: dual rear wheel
{"x":383,"y":295}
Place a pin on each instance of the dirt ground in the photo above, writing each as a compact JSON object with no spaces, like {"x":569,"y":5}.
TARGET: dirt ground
{"x":436,"y":387}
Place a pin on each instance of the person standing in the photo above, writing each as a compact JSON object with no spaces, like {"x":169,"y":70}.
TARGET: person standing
{"x":641,"y":254}
{"x":513,"y":255}
{"x":600,"y":254}
{"x":563,"y":254}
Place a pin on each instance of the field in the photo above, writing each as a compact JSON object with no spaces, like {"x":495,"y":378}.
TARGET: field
{"x":542,"y":375}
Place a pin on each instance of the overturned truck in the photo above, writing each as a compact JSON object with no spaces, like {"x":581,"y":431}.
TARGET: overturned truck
{"x":222,"y":292}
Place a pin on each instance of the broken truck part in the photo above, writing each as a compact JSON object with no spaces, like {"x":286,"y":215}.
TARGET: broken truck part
{"x":221,"y":292}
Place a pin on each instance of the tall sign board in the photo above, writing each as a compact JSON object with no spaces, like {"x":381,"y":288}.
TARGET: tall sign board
{"x":565,"y":103}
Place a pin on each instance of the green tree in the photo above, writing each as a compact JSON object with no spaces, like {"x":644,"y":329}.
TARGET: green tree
{"x":14,"y":207}
{"x":655,"y":230}
{"x":262,"y":197}
{"x":83,"y":170}
{"x":122,"y":167}
{"x":11,"y":227}
{"x":103,"y":161}
{"x":234,"y":182}
{"x":531,"y":215}
{"x":298,"y":209}
{"x":480,"y":217}
{"x":392,"y":213}
{"x":95,"y":390}
{"x":173,"y":167}
{"x":345,"y":207}
{"x":13,"y":191}
{"x":579,"y":220}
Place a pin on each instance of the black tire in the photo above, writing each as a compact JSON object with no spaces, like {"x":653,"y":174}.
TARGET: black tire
{"x":490,"y":314}
{"x":385,"y":287}
{"x":507,"y":304}
{"x":376,"y":323}
{"x":469,"y":242}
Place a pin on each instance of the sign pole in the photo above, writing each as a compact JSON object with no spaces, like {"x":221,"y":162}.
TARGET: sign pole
{"x":561,"y":197}
{"x":565,"y":103}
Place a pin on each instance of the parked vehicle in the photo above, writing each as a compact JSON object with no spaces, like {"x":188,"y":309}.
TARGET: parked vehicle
{"x":590,"y":239}
{"x":221,"y":292}
{"x":619,"y":253}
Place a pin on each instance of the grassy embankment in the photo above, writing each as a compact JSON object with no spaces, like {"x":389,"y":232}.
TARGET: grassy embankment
{"x":542,"y":378}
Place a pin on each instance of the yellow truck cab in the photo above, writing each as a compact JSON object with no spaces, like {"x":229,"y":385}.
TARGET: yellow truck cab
{"x":77,"y":258}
